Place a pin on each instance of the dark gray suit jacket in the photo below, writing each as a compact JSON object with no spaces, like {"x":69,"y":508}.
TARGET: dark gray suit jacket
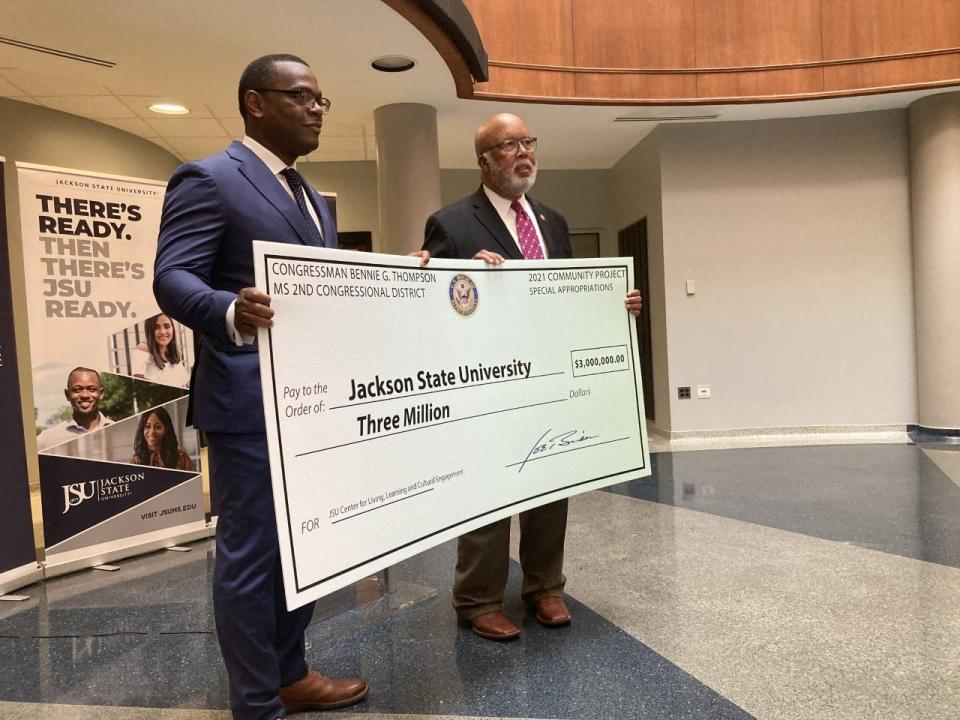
{"x":470,"y":225}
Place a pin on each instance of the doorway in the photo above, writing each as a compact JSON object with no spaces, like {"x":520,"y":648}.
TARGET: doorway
{"x":632,"y":241}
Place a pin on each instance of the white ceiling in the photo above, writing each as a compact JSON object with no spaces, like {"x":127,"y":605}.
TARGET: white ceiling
{"x":192,"y":52}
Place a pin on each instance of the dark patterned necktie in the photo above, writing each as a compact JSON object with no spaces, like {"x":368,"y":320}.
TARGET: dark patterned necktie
{"x":295,"y":181}
{"x":526,"y":234}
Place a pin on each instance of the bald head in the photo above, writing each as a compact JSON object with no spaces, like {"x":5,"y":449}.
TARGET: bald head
{"x":493,"y":128}
{"x":509,"y":171}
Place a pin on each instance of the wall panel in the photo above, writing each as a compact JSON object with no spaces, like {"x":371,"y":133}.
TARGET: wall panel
{"x":800,"y":81}
{"x":647,"y":51}
{"x":634,"y":33}
{"x":869,"y":28}
{"x":893,"y":73}
{"x":737,"y":33}
{"x":606,"y":85}
{"x":535,"y":31}
{"x":524,"y":83}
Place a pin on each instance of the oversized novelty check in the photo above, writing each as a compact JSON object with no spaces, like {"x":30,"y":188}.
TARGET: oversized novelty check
{"x":405,"y":406}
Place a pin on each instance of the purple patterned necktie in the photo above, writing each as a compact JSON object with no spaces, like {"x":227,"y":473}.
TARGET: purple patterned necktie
{"x":295,"y":181}
{"x":526,"y":234}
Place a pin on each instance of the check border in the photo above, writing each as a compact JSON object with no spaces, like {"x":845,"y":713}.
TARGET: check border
{"x":267,"y":257}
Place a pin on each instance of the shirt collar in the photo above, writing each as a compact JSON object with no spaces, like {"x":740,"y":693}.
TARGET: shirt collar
{"x":502,"y":204}
{"x":74,"y":426}
{"x":273,"y":163}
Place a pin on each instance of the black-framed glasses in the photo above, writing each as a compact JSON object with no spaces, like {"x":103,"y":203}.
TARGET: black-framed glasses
{"x":511,"y":146}
{"x":303,"y":98}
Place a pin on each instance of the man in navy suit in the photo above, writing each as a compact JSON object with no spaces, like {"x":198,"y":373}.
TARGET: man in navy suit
{"x":213,"y":210}
{"x":501,"y":221}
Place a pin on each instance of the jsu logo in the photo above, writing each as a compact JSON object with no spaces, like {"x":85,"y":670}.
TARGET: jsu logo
{"x":76,"y":493}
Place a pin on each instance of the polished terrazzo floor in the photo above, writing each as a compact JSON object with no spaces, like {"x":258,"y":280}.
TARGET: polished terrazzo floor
{"x":769,"y":583}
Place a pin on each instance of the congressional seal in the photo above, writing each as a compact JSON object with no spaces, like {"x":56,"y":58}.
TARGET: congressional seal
{"x":463,"y":295}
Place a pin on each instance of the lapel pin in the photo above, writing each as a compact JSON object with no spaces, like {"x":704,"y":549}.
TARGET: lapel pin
{"x":542,"y":217}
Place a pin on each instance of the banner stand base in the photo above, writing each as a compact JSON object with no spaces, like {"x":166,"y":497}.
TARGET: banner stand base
{"x":333,"y":618}
{"x":92,"y":557}
{"x":405,"y":594}
{"x":19,"y":577}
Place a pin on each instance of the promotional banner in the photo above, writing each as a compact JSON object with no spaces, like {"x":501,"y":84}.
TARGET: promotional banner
{"x":433,"y":401}
{"x":118,"y":468}
{"x":18,"y":557}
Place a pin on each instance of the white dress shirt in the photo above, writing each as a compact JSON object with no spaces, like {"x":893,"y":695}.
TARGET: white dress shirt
{"x":509,"y":217}
{"x":66,"y":430}
{"x":276,"y":166}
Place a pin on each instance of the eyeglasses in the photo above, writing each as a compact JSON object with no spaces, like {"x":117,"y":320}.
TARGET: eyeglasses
{"x":304,"y":98}
{"x":510,"y":147}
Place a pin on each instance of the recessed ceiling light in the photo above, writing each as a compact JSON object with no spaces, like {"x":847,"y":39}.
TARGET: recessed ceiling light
{"x":169,"y":109}
{"x":393,"y":63}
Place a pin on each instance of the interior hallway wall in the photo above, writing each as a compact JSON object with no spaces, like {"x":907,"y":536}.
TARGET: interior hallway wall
{"x":635,"y":193}
{"x":581,"y":196}
{"x":356,"y":186}
{"x":33,"y":134}
{"x":797,"y":233}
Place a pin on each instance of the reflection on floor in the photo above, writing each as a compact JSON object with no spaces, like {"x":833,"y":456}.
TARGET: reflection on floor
{"x":790,"y":582}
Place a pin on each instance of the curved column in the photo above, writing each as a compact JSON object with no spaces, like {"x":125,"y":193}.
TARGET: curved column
{"x":935,"y":192}
{"x":408,"y":173}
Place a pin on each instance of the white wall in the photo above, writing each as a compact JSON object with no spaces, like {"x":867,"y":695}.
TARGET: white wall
{"x":635,"y":193}
{"x":797,"y":233}
{"x":581,"y":196}
{"x":356,"y":186}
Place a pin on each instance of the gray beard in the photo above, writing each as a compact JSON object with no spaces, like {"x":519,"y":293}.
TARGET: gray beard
{"x":510,"y":184}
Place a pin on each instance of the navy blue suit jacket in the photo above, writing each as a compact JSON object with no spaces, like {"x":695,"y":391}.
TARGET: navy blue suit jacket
{"x":213,"y":210}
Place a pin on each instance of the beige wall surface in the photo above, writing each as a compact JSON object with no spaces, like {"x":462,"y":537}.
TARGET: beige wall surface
{"x":635,"y":194}
{"x":356,"y":186}
{"x":33,"y":134}
{"x":935,"y":180}
{"x":797,"y":233}
{"x":581,"y":196}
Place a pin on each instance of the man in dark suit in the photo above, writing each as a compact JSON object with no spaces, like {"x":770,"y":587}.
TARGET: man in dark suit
{"x":500,"y":221}
{"x":212,"y":212}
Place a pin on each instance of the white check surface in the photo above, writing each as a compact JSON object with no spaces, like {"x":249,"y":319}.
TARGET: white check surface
{"x":396,"y":422}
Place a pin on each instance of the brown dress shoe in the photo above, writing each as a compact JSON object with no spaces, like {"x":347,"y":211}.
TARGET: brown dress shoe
{"x":318,"y":692}
{"x":494,"y":625}
{"x":552,"y":611}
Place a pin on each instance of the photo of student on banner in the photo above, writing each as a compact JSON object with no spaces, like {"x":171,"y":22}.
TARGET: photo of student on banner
{"x":116,"y":402}
{"x":156,"y":443}
{"x":159,"y":358}
{"x":157,"y":350}
{"x":83,"y":391}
